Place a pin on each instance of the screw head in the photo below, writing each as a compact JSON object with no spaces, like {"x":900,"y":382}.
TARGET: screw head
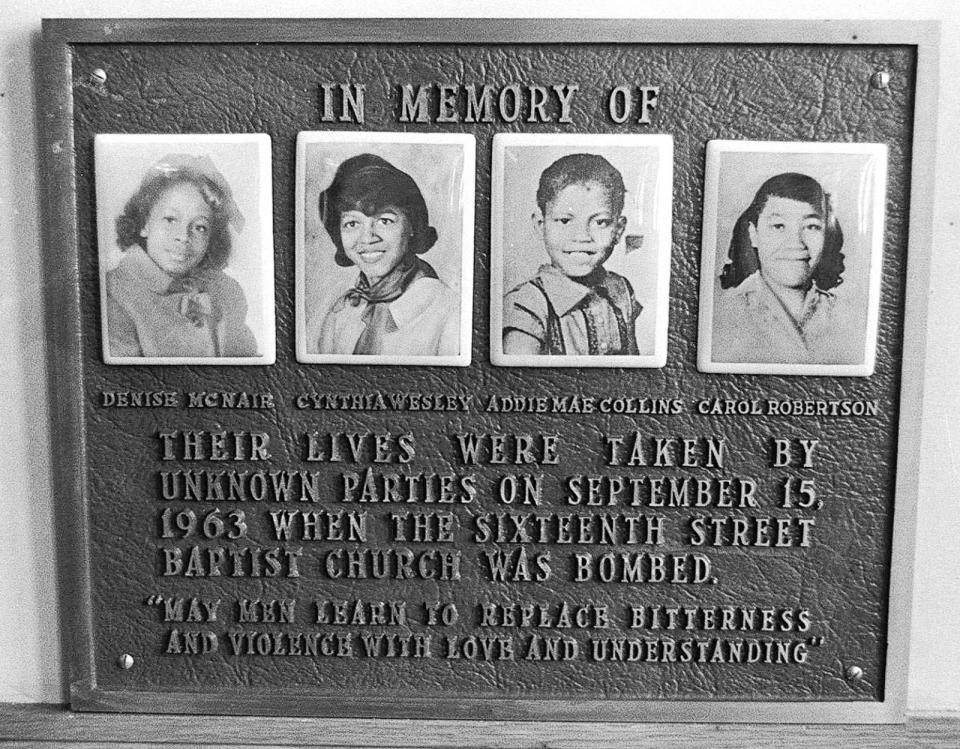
{"x":854,"y":673}
{"x":98,"y":76}
{"x":880,"y":79}
{"x":125,"y":661}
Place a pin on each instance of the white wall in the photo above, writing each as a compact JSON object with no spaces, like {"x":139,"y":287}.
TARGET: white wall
{"x":29,"y":642}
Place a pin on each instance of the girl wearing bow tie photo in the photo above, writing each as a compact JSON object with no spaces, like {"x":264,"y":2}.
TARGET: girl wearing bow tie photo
{"x":169,"y":296}
{"x":378,"y":221}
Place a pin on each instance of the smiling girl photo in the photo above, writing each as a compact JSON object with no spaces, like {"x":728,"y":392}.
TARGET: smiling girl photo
{"x":790,"y":284}
{"x":385,"y":227}
{"x":580,"y":250}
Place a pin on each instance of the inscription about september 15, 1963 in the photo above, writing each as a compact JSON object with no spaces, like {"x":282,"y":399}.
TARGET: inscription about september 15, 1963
{"x":378,"y":517}
{"x":596,"y":519}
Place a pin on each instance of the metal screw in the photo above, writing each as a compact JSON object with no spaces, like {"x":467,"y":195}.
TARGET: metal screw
{"x":880,"y":79}
{"x":125,"y":661}
{"x":854,"y":673}
{"x":98,"y":76}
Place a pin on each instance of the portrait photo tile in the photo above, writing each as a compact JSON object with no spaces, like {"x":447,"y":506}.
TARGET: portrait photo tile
{"x":791,"y":257}
{"x":384,"y":245}
{"x":580,"y":250}
{"x":185,"y":237}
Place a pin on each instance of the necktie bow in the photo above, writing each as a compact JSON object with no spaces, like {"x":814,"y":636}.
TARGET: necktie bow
{"x":195,"y":303}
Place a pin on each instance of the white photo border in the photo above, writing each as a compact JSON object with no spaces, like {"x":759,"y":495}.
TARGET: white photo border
{"x":266,"y":335}
{"x":467,"y":143}
{"x":708,"y":267}
{"x":663,"y":143}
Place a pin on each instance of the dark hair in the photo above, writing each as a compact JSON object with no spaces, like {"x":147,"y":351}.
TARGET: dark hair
{"x":370,"y":184}
{"x":137,"y":212}
{"x":743,"y":259}
{"x":581,"y":169}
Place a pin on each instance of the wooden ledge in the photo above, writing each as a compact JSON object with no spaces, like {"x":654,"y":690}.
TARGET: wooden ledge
{"x":54,"y":725}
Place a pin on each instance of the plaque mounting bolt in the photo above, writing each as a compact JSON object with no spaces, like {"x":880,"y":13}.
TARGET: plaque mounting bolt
{"x":125,"y":661}
{"x":854,"y":673}
{"x":98,"y":76}
{"x":880,"y":79}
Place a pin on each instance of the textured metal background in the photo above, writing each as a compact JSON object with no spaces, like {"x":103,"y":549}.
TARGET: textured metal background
{"x":762,"y":92}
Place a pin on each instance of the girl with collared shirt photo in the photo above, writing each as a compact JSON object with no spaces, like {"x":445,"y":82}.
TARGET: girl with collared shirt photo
{"x":580,"y":250}
{"x":785,"y":260}
{"x":792,"y":245}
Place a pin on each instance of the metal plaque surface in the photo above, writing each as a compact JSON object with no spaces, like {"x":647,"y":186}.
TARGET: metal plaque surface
{"x":496,"y":473}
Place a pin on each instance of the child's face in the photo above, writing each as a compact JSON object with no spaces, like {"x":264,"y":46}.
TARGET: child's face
{"x":788,"y":237}
{"x":177,"y":231}
{"x":579,"y":229}
{"x":376,"y":243}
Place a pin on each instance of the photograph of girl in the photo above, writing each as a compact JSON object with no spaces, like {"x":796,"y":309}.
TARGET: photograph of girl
{"x":794,"y":290}
{"x":167,"y":298}
{"x":580,"y":250}
{"x":367,"y":292}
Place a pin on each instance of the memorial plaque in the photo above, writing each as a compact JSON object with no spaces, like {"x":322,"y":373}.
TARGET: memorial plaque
{"x":500,"y":369}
